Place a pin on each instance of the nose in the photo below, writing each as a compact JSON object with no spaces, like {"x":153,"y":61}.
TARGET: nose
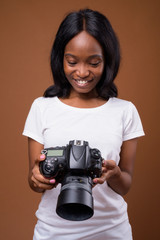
{"x":82,"y":71}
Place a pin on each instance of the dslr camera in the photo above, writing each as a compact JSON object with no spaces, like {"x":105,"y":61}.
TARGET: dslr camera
{"x":74,"y":166}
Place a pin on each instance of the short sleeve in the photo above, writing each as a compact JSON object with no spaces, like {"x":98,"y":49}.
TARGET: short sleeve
{"x":132,"y":124}
{"x":33,"y":126}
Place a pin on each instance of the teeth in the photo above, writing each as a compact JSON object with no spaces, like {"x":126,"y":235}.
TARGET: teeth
{"x":81,"y":82}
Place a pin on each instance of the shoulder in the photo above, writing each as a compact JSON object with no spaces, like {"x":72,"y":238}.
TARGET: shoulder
{"x":121,"y":103}
{"x":44,"y":100}
{"x":123,"y":108}
{"x":43,"y":103}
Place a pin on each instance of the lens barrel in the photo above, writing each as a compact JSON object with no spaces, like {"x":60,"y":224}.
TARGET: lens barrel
{"x":75,"y":201}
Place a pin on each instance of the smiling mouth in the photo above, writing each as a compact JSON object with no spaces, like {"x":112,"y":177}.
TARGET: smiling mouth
{"x":82,"y":82}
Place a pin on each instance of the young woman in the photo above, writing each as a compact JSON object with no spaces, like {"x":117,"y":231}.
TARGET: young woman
{"x":82,"y":104}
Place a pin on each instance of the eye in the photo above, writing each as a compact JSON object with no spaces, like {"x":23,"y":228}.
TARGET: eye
{"x":70,"y":59}
{"x":71,"y":63}
{"x":95,"y":64}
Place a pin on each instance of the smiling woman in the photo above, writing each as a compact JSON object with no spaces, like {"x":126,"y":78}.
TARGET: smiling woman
{"x":82,"y":105}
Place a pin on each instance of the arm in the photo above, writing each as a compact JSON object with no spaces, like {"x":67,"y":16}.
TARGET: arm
{"x":119,"y":178}
{"x":36,"y":181}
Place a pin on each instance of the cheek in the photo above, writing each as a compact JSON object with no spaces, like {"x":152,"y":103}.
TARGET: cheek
{"x":98,"y":73}
{"x":66,"y":70}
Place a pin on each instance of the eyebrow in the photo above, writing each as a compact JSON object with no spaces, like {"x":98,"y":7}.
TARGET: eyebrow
{"x":92,"y":56}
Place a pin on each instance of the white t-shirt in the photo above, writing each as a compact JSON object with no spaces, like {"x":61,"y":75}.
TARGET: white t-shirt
{"x":53,"y":123}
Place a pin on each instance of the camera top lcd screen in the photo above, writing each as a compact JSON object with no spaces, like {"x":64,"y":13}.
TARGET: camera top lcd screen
{"x":55,"y":153}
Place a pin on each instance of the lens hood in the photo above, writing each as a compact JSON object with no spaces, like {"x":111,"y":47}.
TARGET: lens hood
{"x":75,"y":201}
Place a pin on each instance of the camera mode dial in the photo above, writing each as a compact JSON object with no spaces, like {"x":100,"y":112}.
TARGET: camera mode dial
{"x":95,"y":153}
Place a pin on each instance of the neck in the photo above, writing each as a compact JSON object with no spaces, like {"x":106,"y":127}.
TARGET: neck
{"x":83,"y":96}
{"x":87,"y":100}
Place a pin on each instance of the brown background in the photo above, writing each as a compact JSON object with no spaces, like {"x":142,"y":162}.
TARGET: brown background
{"x":27,"y":31}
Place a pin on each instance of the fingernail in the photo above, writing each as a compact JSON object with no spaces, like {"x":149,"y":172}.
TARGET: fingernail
{"x":95,"y":180}
{"x":105,"y":163}
{"x":42,"y":156}
{"x":52,"y":181}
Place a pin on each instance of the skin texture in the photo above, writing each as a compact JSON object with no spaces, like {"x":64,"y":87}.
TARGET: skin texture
{"x":83,"y":66}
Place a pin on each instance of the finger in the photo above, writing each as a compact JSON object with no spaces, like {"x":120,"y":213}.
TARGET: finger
{"x":39,"y":177}
{"x":104,"y":170}
{"x":100,"y":180}
{"x":40,"y":158}
{"x":109,"y":164}
{"x":42,"y":185}
{"x":104,"y":177}
{"x":40,"y":181}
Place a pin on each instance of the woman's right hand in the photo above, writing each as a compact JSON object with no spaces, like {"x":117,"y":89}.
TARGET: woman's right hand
{"x":37,"y":181}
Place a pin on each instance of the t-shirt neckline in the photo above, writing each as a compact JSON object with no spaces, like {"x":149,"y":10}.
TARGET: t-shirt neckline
{"x":82,"y":109}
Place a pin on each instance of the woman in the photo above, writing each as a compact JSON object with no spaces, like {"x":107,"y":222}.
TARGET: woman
{"x":83,"y":104}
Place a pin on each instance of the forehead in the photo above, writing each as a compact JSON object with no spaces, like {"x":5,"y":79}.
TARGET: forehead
{"x":84,"y":43}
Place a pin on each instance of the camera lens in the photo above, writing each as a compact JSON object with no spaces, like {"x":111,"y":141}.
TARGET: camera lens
{"x":75,"y":201}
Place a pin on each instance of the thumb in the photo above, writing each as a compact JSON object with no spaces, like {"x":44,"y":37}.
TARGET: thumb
{"x":41,"y":157}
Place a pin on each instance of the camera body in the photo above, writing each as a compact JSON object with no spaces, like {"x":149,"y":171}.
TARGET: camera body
{"x":74,"y":166}
{"x":77,"y":157}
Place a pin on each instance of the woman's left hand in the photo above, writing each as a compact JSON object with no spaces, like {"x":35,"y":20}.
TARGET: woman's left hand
{"x":119,"y":177}
{"x":109,"y":170}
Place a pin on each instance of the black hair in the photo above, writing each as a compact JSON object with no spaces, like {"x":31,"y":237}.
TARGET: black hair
{"x":98,"y":26}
